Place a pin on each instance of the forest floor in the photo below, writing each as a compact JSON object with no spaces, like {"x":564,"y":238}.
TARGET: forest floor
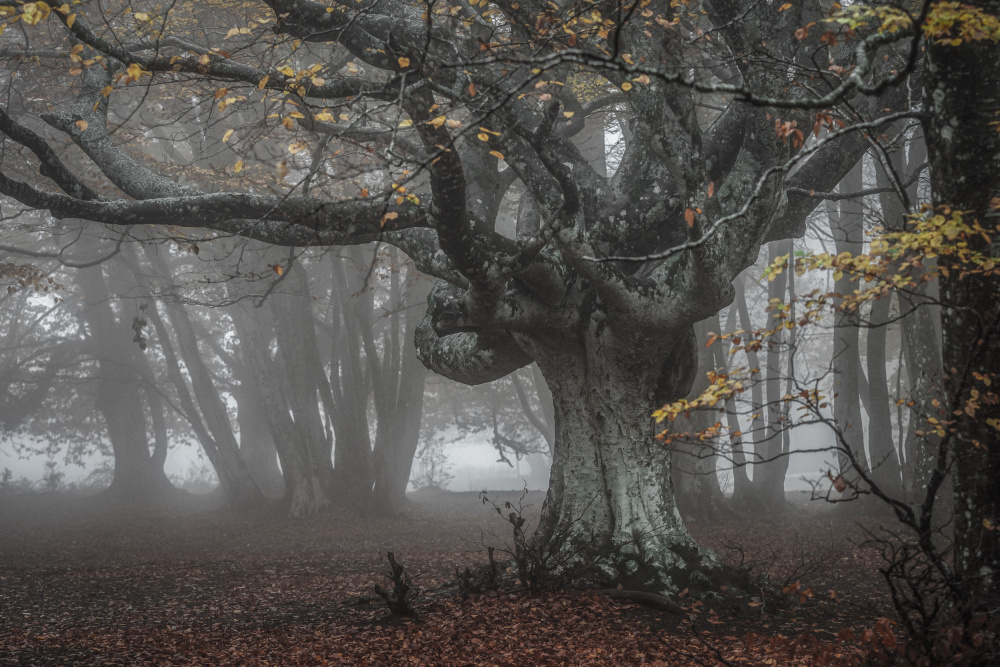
{"x":82,"y":584}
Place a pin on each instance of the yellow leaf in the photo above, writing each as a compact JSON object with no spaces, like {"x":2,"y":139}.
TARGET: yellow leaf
{"x":298,"y":147}
{"x":318,"y":81}
{"x":226,"y":136}
{"x":568,"y":114}
{"x":76,"y":49}
{"x":204,"y":59}
{"x":454,"y":124}
{"x":626,"y":86}
{"x":785,"y":6}
{"x":277,"y":269}
{"x":82,"y":124}
{"x":64,"y":8}
{"x":403,"y":62}
{"x":106,"y":91}
{"x":262,"y":82}
{"x":482,"y":136}
{"x":406,"y":122}
{"x":437,"y":122}
{"x":141,"y":16}
{"x":70,"y":20}
{"x":220,"y":93}
{"x":497,"y":154}
{"x":288,"y":123}
{"x":325,"y":116}
{"x":238,"y":167}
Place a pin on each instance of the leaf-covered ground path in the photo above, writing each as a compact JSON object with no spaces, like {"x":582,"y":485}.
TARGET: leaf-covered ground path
{"x":81,"y":584}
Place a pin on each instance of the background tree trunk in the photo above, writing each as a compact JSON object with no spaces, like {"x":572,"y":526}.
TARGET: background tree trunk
{"x":848,"y":234}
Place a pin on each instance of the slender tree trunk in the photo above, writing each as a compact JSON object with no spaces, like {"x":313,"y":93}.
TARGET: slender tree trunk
{"x":298,"y":350}
{"x":848,"y":234}
{"x":696,"y":483}
{"x":771,"y":488}
{"x":304,"y":493}
{"x":920,"y":340}
{"x":235,"y":479}
{"x":399,"y":402}
{"x":138,"y":476}
{"x":886,"y":469}
{"x":256,"y":443}
{"x":756,"y":392}
{"x":352,"y":448}
{"x":742,"y":490}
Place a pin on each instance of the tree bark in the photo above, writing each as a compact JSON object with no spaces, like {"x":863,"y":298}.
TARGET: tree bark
{"x":962,"y":97}
{"x":610,"y":499}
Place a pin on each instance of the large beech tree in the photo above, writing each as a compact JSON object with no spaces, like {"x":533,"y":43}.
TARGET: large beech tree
{"x":409,"y":123}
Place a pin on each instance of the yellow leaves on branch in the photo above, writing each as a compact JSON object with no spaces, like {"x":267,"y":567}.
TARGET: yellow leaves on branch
{"x":135,"y":72}
{"x":947,"y":22}
{"x":896,"y":260}
{"x":34,"y":13}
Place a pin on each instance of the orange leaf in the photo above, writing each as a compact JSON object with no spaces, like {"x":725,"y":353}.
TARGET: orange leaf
{"x":689,"y":217}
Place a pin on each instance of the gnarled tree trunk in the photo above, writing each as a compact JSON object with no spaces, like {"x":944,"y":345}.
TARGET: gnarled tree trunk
{"x":610,"y":497}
